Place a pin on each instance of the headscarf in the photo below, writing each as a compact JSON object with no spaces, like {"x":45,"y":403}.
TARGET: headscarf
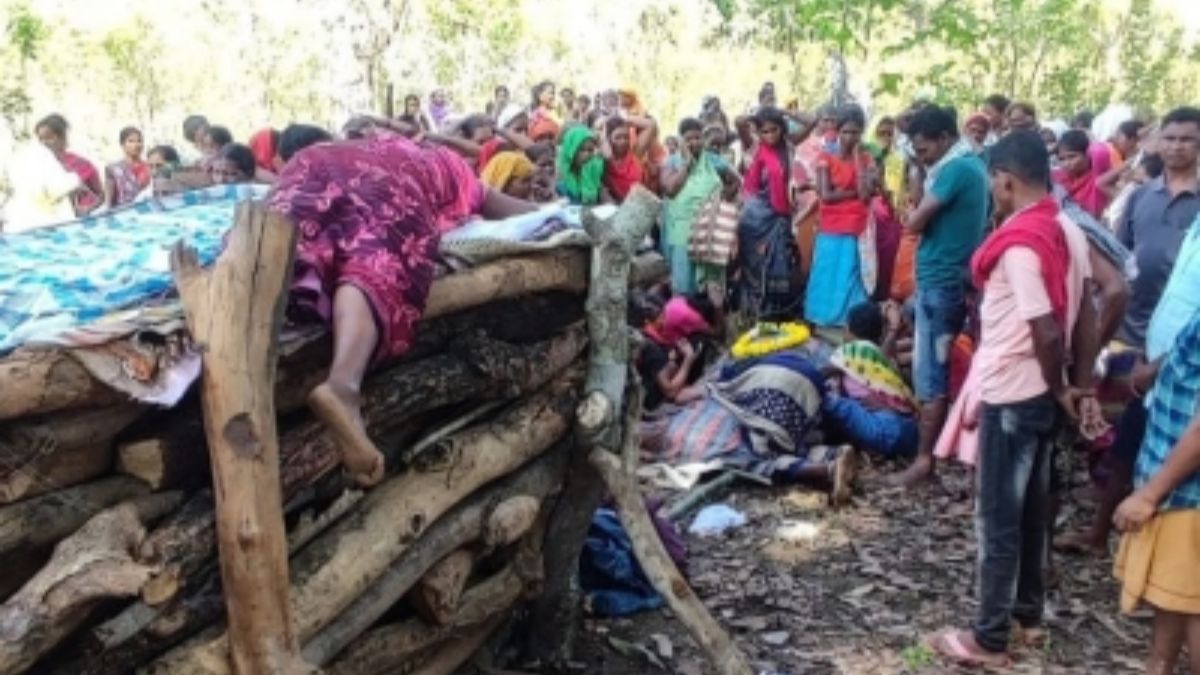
{"x":678,"y":320}
{"x":504,"y":167}
{"x":635,"y":107}
{"x":262,"y":144}
{"x":584,"y":187}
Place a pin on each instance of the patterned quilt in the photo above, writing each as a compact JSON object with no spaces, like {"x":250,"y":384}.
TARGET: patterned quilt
{"x":58,"y":278}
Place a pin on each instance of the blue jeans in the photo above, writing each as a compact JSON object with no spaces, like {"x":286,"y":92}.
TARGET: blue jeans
{"x":883,"y":432}
{"x":940,"y":313}
{"x":1014,"y":502}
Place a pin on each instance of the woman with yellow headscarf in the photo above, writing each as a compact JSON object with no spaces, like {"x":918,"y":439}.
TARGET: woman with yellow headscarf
{"x":510,"y":173}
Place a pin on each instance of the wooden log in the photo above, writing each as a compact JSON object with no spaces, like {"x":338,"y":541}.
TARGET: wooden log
{"x":56,"y":451}
{"x":561,"y":270}
{"x":172,"y":455}
{"x":42,"y":521}
{"x":341,"y":565}
{"x":37,"y":380}
{"x":437,"y":594}
{"x":179,"y":548}
{"x":462,"y":525}
{"x":619,"y":476}
{"x":476,"y":368}
{"x":383,"y":649}
{"x":234,"y":310}
{"x":648,"y":269}
{"x":555,"y":615}
{"x":94,"y":563}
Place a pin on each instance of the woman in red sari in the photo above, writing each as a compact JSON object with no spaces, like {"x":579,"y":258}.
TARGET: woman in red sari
{"x":370,"y":214}
{"x":1078,"y":174}
{"x":126,"y":179}
{"x":625,"y":163}
{"x":52,"y":132}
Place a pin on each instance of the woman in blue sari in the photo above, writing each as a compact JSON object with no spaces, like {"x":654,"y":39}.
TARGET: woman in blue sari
{"x":766,"y":250}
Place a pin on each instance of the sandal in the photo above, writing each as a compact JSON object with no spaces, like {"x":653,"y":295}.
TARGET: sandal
{"x":960,"y":648}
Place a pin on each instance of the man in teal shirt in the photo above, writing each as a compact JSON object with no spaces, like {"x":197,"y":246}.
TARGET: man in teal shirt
{"x":950,"y":220}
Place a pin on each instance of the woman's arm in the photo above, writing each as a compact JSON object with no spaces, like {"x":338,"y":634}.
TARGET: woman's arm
{"x":1112,"y":293}
{"x":745,"y":132}
{"x":110,"y":187}
{"x":498,"y":206}
{"x":648,"y":133}
{"x":673,"y":179}
{"x":519,"y":141}
{"x":462,"y":146}
{"x":605,"y":148}
{"x":828,"y":193}
{"x":672,"y":383}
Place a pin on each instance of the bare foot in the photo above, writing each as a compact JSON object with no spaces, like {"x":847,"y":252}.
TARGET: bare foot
{"x":844,"y":471}
{"x":920,"y":471}
{"x":960,"y":647}
{"x":342,"y":415}
{"x":1081,"y":544}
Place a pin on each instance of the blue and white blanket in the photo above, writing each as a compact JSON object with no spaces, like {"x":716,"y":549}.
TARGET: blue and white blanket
{"x":60,"y":277}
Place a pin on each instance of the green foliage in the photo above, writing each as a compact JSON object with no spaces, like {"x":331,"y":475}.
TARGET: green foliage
{"x":132,"y":51}
{"x":27,"y":32}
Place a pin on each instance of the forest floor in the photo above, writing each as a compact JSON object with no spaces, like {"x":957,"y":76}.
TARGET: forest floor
{"x":808,"y":590}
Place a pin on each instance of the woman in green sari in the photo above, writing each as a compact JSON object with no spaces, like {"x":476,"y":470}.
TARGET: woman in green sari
{"x":580,"y":167}
{"x":690,"y":179}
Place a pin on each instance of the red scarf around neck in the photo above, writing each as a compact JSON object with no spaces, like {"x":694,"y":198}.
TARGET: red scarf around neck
{"x":767,"y":165}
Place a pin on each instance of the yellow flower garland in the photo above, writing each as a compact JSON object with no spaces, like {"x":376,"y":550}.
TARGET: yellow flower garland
{"x":767,"y":338}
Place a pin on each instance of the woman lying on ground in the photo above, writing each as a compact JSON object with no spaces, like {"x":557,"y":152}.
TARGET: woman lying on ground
{"x":369,"y":214}
{"x":124,"y":180}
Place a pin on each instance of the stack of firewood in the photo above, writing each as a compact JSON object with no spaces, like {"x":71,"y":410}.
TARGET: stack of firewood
{"x":107,"y":531}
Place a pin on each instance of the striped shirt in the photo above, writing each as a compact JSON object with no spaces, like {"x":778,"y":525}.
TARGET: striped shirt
{"x":1174,"y":405}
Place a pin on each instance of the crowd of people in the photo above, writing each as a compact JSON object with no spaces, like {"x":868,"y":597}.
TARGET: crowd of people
{"x":986,"y":286}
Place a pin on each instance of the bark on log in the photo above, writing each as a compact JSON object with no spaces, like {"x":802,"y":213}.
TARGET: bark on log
{"x":92,"y":564}
{"x":559,"y":270}
{"x":173,"y":455}
{"x":383,"y":649}
{"x":36,"y":380}
{"x":235,"y":310}
{"x":44,"y":520}
{"x":341,"y":565}
{"x":476,"y":368}
{"x":648,"y":269}
{"x":437,"y":594}
{"x":555,"y":615}
{"x":621,"y":480}
{"x":57,"y":451}
{"x":179,"y":548}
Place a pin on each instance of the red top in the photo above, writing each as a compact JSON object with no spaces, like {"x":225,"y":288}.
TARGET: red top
{"x":622,"y":174}
{"x":848,"y":216}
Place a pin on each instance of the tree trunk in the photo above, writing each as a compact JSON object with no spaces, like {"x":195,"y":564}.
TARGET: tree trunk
{"x":90,"y":565}
{"x":341,"y":565}
{"x":555,"y":615}
{"x":37,"y":381}
{"x":234,"y":310}
{"x":44,"y":520}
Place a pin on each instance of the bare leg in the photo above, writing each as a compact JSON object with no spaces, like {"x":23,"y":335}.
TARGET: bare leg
{"x":932,"y":419}
{"x":1193,"y":641}
{"x":1095,"y":540}
{"x":337,"y":402}
{"x":1166,"y":642}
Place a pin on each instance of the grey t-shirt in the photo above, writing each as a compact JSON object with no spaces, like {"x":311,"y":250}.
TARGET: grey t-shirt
{"x":1153,"y":229}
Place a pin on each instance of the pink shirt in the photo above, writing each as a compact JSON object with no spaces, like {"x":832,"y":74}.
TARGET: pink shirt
{"x":1014,"y":295}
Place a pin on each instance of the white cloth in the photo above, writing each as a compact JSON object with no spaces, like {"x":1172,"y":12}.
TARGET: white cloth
{"x":41,"y":190}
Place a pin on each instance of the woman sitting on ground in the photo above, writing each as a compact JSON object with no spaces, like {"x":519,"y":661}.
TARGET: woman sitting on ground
{"x":580,"y":168}
{"x":870,"y":404}
{"x":847,"y":180}
{"x":669,"y":358}
{"x":510,"y":173}
{"x":52,"y":132}
{"x":365,"y":256}
{"x":624,"y":166}
{"x":124,"y":180}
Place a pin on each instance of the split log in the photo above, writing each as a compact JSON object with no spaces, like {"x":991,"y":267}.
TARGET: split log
{"x":42,"y":521}
{"x":94,"y":563}
{"x":341,"y":565}
{"x":234,"y":310}
{"x":383,"y":649}
{"x":58,"y":451}
{"x":555,"y":615}
{"x":621,"y":481}
{"x":456,"y":652}
{"x":438,"y":593}
{"x":466,"y":523}
{"x":173,"y":456}
{"x":37,"y":380}
{"x":179,"y":548}
{"x":477,"y":368}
